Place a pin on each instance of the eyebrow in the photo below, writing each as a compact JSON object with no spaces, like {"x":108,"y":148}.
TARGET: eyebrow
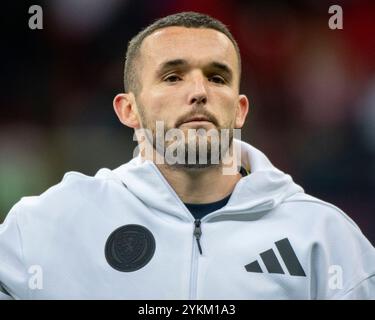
{"x":181,"y":63}
{"x":171,"y":64}
{"x":223,"y":68}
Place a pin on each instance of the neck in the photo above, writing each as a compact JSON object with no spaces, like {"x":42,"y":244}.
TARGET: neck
{"x":203,"y":185}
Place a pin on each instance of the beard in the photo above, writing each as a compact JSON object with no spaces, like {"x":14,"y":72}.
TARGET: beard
{"x":192,"y":149}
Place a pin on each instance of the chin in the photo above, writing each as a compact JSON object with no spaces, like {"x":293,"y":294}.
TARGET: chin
{"x":194,"y":167}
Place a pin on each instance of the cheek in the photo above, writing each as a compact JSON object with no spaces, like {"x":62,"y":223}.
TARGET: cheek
{"x":160,"y":106}
{"x":228,"y":103}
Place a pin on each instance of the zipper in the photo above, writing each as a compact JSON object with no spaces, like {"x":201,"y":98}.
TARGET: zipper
{"x":198,"y":233}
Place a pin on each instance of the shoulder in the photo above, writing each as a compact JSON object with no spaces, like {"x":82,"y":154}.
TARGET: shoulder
{"x":74,"y":192}
{"x":337,"y":246}
{"x":326,"y":225}
{"x":317,"y":210}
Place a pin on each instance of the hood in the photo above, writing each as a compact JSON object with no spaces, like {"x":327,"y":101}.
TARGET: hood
{"x":263,"y":189}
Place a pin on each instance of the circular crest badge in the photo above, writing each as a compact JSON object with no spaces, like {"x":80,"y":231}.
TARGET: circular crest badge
{"x":129,"y":248}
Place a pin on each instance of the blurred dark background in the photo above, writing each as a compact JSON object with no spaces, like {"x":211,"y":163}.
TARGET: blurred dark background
{"x":312,"y":92}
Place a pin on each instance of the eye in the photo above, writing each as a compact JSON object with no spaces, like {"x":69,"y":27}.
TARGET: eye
{"x":172,"y":78}
{"x":217,"y":79}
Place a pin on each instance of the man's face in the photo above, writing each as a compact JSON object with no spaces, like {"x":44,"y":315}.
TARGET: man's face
{"x":189,"y":80}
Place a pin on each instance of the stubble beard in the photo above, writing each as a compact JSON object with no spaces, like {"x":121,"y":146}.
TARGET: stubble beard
{"x":212,"y":151}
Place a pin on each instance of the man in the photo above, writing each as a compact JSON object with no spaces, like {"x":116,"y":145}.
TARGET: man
{"x":177,"y":222}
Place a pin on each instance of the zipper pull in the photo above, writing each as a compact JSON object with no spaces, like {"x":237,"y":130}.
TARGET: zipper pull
{"x":198,"y":233}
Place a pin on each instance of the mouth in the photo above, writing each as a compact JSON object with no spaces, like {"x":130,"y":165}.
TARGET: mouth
{"x":197,"y":120}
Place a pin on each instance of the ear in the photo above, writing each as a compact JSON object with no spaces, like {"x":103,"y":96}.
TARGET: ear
{"x":125,"y":108}
{"x":242,"y":110}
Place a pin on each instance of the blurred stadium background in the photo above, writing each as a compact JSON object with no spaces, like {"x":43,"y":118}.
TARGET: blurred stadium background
{"x":312,"y":92}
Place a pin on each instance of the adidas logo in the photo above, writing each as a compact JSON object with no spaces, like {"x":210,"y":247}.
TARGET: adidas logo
{"x":273,"y":265}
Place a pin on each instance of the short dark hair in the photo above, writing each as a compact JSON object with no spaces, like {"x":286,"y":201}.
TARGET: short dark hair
{"x":182,"y":19}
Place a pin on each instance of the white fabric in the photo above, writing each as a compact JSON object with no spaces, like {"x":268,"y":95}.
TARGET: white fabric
{"x":63,"y":232}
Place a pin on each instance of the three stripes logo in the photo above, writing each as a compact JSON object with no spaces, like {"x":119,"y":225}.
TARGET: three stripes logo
{"x":273,"y":265}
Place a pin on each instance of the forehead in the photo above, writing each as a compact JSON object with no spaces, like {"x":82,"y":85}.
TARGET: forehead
{"x":192,"y":44}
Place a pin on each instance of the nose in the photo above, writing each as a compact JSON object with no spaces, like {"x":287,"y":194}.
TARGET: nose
{"x":198,"y":94}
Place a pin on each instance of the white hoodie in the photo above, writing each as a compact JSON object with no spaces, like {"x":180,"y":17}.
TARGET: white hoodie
{"x":125,"y":234}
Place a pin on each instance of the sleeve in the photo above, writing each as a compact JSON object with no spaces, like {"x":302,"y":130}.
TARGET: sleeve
{"x":4,"y":295}
{"x":362,"y":283}
{"x":13,"y":274}
{"x":365,"y":290}
{"x":344,"y":260}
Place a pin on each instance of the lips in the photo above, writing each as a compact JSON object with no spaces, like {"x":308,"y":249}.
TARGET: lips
{"x":197,"y":118}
